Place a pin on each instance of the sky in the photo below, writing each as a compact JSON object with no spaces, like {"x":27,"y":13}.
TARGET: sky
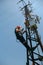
{"x":11,"y":51}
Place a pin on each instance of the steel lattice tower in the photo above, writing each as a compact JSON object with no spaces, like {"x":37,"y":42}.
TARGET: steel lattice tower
{"x":32,"y":35}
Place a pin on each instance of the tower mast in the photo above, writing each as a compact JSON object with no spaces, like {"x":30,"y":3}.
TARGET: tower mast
{"x":31,"y":34}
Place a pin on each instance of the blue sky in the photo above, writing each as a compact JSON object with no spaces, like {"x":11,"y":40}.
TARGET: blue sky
{"x":11,"y":51}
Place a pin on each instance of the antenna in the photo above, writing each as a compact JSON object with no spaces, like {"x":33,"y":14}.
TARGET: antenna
{"x":23,"y":2}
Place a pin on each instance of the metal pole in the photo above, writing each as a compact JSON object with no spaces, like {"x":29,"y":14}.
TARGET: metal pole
{"x":27,"y":49}
{"x":32,"y":56}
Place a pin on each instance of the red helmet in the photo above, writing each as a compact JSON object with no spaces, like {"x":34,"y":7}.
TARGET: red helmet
{"x":18,"y":27}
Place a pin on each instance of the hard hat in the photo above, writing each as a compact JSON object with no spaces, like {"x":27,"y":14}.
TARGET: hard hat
{"x":18,"y":27}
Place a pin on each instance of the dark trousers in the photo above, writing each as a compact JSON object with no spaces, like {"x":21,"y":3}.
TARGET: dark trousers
{"x":23,"y":41}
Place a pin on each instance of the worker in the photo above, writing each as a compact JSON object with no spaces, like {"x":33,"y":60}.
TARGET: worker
{"x":19,"y":31}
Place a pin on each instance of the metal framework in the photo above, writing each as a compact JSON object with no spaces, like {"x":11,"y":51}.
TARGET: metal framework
{"x":32,"y":36}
